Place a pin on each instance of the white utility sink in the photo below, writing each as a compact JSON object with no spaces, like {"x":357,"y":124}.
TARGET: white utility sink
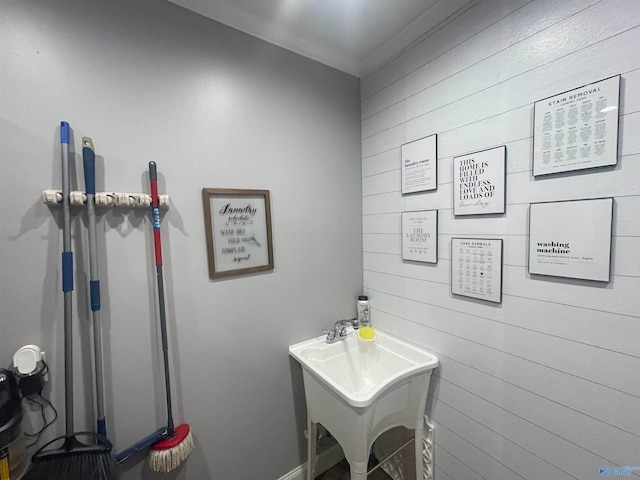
{"x":358,"y":389}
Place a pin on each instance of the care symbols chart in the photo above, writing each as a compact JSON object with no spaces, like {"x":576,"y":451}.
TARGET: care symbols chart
{"x":476,"y":268}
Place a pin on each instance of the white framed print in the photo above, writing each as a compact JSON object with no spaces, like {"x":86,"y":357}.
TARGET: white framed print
{"x":420,"y":236}
{"x":571,"y":239}
{"x":476,"y":268}
{"x":420,"y":165}
{"x":577,"y":129}
{"x":479,"y":182}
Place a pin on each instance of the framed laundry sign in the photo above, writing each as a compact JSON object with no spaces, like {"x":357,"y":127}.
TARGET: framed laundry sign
{"x":571,"y":239}
{"x":479,"y":182}
{"x":476,"y":268}
{"x":420,"y":165}
{"x":420,"y":236}
{"x":577,"y":129}
{"x":238,"y":231}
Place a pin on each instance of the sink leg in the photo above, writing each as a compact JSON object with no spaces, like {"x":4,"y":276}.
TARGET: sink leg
{"x":312,"y":435}
{"x":358,"y":470}
{"x":419,"y":434}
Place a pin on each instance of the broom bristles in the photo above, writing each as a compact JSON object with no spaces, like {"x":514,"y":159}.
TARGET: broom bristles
{"x":164,"y":460}
{"x":73,"y":466}
{"x":74,"y":460}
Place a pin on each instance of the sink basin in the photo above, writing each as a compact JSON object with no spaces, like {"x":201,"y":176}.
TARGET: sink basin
{"x":358,"y":389}
{"x":358,"y":371}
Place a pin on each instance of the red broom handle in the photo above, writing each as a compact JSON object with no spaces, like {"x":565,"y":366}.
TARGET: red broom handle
{"x":155,"y":205}
{"x":155,"y":202}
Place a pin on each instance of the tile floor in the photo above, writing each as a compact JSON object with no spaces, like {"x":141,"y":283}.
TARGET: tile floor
{"x":388,"y":443}
{"x":341,"y":472}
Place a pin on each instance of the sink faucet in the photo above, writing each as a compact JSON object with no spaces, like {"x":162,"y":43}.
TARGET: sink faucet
{"x":339,"y":331}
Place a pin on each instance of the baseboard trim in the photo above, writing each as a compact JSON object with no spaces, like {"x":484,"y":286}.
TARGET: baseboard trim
{"x":326,"y":459}
{"x":298,"y":473}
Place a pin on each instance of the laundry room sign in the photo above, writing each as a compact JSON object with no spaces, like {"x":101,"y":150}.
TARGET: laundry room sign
{"x":238,"y":229}
{"x":420,"y":236}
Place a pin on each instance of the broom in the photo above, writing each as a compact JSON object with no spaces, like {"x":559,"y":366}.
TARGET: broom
{"x":170,"y":452}
{"x":73,"y":460}
{"x":89,"y":158}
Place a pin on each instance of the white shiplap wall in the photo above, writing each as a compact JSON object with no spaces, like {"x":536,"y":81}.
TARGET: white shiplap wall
{"x":546,"y":384}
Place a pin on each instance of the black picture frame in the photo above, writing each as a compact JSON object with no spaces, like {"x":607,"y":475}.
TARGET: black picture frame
{"x":474,"y":197}
{"x":420,"y":245}
{"x":571,"y":238}
{"x":417,"y":157}
{"x":542,"y":126}
{"x":472,"y":278}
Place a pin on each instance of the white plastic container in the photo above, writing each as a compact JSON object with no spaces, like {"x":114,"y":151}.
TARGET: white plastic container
{"x":364,"y":311}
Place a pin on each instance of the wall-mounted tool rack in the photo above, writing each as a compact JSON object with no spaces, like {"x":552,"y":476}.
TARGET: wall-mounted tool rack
{"x":105,"y":199}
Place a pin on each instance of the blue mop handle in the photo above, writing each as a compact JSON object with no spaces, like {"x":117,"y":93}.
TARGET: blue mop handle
{"x":89,"y":163}
{"x":67,"y":281}
{"x":64,"y":132}
{"x":67,"y":254}
{"x":146,"y":442}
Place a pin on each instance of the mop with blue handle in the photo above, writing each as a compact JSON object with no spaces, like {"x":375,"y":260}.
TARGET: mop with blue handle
{"x":89,"y":164}
{"x":72,"y":460}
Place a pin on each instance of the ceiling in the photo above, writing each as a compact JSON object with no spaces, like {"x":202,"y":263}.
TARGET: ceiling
{"x":354,"y":36}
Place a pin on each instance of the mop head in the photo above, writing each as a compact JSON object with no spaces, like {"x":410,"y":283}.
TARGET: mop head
{"x":170,"y":453}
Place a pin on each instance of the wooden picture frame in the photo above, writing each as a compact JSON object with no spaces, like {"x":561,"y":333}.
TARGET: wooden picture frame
{"x":238,"y":230}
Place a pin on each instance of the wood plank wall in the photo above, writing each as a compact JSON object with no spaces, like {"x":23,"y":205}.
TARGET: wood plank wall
{"x":545,"y":385}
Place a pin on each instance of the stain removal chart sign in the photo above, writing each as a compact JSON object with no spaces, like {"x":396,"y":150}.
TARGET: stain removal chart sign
{"x":571,"y":239}
{"x":476,"y":268}
{"x":420,"y":165}
{"x":577,"y":129}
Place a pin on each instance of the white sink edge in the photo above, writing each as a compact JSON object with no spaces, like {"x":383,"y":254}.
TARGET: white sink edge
{"x":363,"y":401}
{"x":366,"y":400}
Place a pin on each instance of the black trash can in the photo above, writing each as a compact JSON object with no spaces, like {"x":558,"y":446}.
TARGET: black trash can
{"x":13,"y":458}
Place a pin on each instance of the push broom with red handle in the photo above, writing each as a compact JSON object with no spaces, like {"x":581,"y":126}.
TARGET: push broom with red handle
{"x":170,"y":452}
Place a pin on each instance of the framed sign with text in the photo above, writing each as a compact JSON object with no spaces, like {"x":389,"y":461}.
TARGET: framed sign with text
{"x":476,"y":268}
{"x":479,"y":182}
{"x":238,"y":230}
{"x":571,"y":239}
{"x":420,"y":165}
{"x":578,"y":129}
{"x":420,"y":236}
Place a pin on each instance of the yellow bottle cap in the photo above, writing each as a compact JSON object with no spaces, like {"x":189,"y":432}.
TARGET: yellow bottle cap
{"x":367,"y":333}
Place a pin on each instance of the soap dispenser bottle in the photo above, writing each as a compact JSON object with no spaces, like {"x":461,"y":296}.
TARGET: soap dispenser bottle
{"x":364,"y":311}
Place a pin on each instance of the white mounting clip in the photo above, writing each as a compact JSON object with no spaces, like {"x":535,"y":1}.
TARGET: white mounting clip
{"x":105,"y":199}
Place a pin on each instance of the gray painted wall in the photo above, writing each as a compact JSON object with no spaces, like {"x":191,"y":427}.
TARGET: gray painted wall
{"x":213,"y":107}
{"x":546,"y":384}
